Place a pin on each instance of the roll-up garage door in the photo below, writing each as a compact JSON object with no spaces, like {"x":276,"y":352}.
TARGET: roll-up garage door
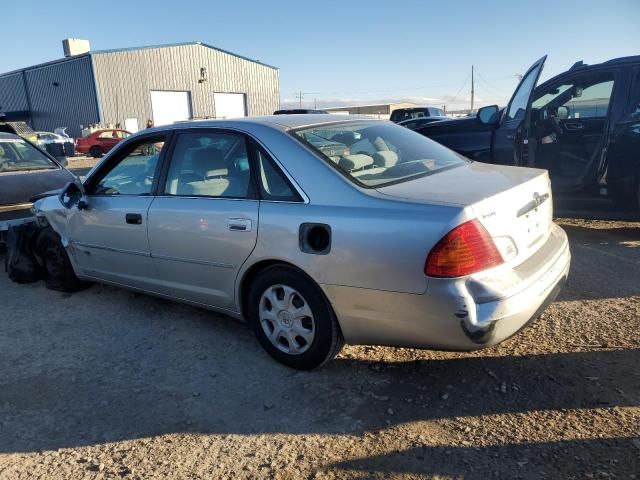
{"x":230,"y":105}
{"x":170,"y":106}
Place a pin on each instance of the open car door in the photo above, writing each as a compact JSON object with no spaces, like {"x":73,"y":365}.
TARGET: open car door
{"x":511,"y":140}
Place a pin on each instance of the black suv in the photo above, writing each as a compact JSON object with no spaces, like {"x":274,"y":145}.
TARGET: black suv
{"x":582,"y":125}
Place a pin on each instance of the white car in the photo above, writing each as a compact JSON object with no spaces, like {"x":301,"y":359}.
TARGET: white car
{"x":44,"y":138}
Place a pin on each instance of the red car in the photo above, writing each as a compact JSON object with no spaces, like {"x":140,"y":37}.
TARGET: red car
{"x":100,"y":141}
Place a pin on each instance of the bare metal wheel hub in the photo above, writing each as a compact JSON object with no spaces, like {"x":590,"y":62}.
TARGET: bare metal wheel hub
{"x":286,"y":319}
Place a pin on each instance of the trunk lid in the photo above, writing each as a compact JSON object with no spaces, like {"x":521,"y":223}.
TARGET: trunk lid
{"x":510,"y":202}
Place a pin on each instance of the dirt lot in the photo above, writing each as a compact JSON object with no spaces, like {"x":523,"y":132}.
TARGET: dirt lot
{"x":109,"y":384}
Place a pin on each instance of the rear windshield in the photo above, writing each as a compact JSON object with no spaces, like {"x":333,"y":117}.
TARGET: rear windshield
{"x":374,"y":154}
{"x":16,"y":154}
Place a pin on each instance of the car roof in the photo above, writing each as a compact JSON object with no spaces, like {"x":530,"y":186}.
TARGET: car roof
{"x":281,"y":122}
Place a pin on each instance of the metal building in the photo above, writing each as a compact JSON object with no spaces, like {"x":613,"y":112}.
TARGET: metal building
{"x":162,"y":83}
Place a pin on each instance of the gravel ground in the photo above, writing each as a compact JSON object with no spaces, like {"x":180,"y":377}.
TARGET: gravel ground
{"x":109,"y":384}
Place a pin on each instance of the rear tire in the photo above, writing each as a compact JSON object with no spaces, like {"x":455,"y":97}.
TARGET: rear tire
{"x":292,"y":319}
{"x":59,"y":274}
{"x":96,"y":152}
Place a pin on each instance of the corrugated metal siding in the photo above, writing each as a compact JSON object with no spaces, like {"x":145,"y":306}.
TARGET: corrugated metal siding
{"x":13,"y":96}
{"x":70,"y":104}
{"x":125,"y":79}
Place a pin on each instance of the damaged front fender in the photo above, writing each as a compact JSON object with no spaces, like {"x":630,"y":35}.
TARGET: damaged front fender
{"x":49,"y":212}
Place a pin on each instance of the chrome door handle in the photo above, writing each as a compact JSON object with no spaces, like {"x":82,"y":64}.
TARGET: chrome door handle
{"x":239,"y":224}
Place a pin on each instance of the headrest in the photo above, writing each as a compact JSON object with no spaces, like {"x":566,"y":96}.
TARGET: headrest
{"x":208,"y":162}
{"x":356,"y":161}
{"x":385,"y":158}
{"x":380,"y":144}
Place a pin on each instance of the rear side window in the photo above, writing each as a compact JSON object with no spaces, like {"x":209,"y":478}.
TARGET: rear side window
{"x":273,"y":184}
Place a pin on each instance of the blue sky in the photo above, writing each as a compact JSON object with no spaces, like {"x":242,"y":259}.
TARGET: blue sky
{"x":347,"y":52}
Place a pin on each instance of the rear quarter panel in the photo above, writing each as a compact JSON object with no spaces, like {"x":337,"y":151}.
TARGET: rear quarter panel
{"x":382,"y":246}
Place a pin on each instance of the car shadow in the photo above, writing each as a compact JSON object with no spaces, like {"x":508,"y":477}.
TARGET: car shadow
{"x":164,"y":368}
{"x":593,"y":458}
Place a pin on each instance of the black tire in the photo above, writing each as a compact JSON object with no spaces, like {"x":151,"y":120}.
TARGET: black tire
{"x":59,"y":274}
{"x":96,"y":152}
{"x":327,"y":341}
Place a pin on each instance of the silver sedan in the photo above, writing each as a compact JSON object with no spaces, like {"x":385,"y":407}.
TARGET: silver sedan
{"x":316,"y":230}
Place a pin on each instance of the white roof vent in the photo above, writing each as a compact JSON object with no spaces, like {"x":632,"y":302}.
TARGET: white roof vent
{"x":75,"y":46}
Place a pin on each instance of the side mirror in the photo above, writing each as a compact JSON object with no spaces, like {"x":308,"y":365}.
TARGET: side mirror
{"x":563,"y":113}
{"x":488,"y":115}
{"x":73,"y":194}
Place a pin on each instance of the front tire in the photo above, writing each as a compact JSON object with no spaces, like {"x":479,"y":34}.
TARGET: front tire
{"x":292,"y":318}
{"x":96,"y":152}
{"x":59,"y":274}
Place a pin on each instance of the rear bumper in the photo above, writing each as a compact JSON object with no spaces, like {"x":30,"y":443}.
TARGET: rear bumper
{"x":456,"y":314}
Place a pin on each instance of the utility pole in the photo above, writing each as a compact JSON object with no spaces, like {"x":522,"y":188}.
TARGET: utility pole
{"x":300,"y":98}
{"x":472,"y":89}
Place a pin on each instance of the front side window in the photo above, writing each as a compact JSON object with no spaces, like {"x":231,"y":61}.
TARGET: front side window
{"x":378,"y":153}
{"x":134,"y":172}
{"x":520,"y":101}
{"x":209,"y":164}
{"x":585,"y":97}
{"x":16,"y":154}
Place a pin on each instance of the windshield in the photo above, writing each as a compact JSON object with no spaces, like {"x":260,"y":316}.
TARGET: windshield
{"x":375,"y":154}
{"x":16,"y":154}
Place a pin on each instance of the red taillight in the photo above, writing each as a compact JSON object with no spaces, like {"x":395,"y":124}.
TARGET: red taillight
{"x":466,"y":249}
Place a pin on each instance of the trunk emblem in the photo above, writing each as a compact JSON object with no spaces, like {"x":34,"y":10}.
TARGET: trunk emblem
{"x":533,"y":204}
